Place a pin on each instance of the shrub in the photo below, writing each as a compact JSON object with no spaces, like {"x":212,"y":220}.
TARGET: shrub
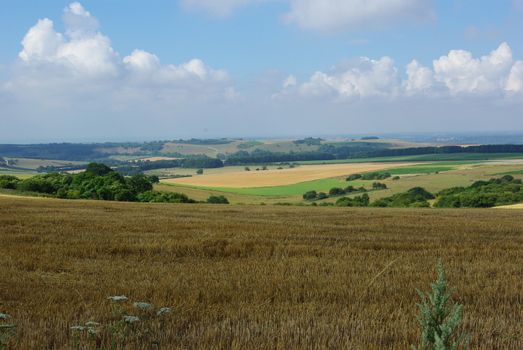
{"x":440,"y":317}
{"x":322,"y":195}
{"x":375,"y":176}
{"x":415,"y":197}
{"x":336,"y":191}
{"x":358,"y":201}
{"x":199,"y":171}
{"x":8,"y":182}
{"x":353,"y":177}
{"x":310,"y":195}
{"x":379,"y":186}
{"x":217,"y":200}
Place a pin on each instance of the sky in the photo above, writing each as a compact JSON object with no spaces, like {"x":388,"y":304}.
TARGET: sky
{"x":129,"y":70}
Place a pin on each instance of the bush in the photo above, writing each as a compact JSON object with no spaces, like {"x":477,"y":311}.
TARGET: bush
{"x":379,"y":186}
{"x":440,"y":317}
{"x":336,"y":191}
{"x":8,"y":182}
{"x":199,"y":171}
{"x":358,"y":201}
{"x":322,"y":195}
{"x":415,"y":197}
{"x":353,"y":177}
{"x":163,"y":197}
{"x":217,"y":200}
{"x":375,"y":176}
{"x":310,"y":195}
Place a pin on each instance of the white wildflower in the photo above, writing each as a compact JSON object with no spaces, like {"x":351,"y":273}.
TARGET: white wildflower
{"x":91,"y":324}
{"x":164,"y":311}
{"x":77,"y":328}
{"x":118,"y":298}
{"x":131,"y":319}
{"x":142,"y":306}
{"x":4,"y":316}
{"x":92,"y":331}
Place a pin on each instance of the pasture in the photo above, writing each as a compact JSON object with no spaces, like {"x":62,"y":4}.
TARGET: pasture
{"x":253,"y":277}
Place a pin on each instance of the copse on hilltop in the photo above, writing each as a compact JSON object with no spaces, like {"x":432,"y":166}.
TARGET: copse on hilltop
{"x":98,"y":182}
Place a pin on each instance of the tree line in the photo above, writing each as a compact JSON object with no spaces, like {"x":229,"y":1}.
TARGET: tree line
{"x":349,"y":151}
{"x":98,"y":182}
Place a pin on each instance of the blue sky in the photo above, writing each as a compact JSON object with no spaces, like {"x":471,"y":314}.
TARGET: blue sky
{"x":259,"y":62}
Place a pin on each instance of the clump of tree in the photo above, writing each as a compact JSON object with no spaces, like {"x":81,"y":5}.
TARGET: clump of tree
{"x":164,"y":197}
{"x":415,"y":197}
{"x":376,"y":176}
{"x":369,"y":176}
{"x":379,"y":186}
{"x":336,"y":191}
{"x":9,"y":182}
{"x":483,"y":194}
{"x":322,"y":195}
{"x":358,"y":201}
{"x":310,"y":195}
{"x":98,"y":181}
{"x":217,"y":200}
{"x":352,"y":189}
{"x":353,"y":177}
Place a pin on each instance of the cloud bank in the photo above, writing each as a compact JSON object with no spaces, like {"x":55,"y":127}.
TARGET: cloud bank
{"x":83,"y":57}
{"x":457,"y":74}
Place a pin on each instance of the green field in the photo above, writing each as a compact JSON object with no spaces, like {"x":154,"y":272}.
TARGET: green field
{"x":424,"y":157}
{"x":420,"y":169}
{"x":288,"y":190}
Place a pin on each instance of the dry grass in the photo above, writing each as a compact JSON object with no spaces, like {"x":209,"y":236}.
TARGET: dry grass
{"x":243,"y":179}
{"x":259,"y":277}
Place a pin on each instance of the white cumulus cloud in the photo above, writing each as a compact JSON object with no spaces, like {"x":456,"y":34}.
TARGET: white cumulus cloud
{"x":515,"y":79}
{"x":456,"y":74}
{"x":83,"y":54}
{"x":358,"y":79}
{"x":460,"y":72}
{"x":419,"y":78}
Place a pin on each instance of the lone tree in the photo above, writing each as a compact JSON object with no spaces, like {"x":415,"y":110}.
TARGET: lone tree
{"x":440,"y":318}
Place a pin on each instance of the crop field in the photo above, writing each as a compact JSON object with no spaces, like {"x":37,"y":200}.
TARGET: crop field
{"x":433,"y":176}
{"x":297,"y":189}
{"x":252,"y":277}
{"x":281,"y":177}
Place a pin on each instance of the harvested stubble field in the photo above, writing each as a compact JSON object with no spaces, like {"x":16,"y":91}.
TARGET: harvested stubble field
{"x":256,"y":277}
{"x":243,"y":179}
